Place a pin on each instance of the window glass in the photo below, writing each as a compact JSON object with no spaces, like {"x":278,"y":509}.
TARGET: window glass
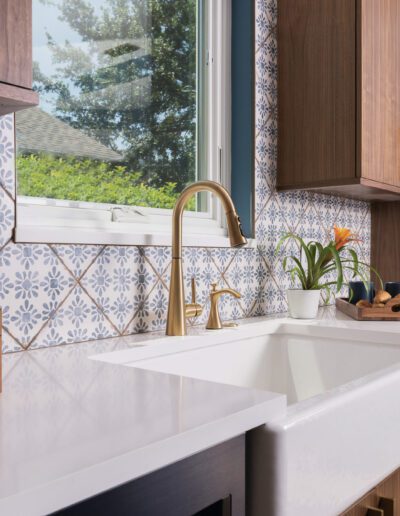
{"x":118,"y":102}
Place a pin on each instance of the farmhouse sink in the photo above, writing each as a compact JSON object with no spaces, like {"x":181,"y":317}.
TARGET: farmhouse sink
{"x":342,"y":383}
{"x":296,"y":365}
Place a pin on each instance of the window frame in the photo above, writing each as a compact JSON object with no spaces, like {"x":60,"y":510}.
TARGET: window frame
{"x":42,"y":220}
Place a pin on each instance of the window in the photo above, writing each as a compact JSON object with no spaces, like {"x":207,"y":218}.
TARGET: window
{"x":134,"y":105}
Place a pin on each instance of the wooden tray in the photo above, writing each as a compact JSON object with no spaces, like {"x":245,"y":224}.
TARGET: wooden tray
{"x":391,"y":311}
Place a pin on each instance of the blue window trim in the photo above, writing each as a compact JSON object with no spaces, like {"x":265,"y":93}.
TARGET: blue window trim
{"x":242,"y":179}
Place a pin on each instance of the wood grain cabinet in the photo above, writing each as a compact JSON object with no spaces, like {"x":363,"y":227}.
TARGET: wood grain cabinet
{"x":339,"y":97}
{"x":383,"y":500}
{"x":16,"y":56}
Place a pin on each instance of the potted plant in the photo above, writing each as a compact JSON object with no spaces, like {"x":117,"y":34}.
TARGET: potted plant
{"x":313,"y":269}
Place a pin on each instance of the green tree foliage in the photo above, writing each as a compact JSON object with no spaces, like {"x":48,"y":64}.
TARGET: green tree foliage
{"x":137,"y":94}
{"x":89,"y":180}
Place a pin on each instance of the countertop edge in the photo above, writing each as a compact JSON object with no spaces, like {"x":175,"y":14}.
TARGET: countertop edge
{"x":89,"y":482}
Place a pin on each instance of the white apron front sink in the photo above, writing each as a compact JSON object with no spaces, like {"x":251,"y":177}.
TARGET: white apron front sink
{"x":340,"y":434}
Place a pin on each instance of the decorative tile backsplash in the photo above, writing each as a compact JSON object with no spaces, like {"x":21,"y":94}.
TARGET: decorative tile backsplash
{"x":54,"y":294}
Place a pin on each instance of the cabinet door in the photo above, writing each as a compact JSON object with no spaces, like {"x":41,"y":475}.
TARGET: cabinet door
{"x":316,"y":92}
{"x":380,"y":91}
{"x":16,"y":42}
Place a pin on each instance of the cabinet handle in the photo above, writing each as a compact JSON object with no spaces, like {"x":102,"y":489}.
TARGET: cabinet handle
{"x":374,"y":511}
{"x":387,"y":505}
{"x":386,"y":508}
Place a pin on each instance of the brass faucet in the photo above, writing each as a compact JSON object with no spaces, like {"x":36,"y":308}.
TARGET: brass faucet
{"x":177,"y":310}
{"x":214,"y":319}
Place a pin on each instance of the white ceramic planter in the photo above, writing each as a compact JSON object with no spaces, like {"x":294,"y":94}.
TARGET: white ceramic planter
{"x":303,"y":304}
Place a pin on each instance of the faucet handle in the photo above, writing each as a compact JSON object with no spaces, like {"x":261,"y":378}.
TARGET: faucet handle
{"x":214,"y":319}
{"x":193,"y":284}
{"x":193,"y":309}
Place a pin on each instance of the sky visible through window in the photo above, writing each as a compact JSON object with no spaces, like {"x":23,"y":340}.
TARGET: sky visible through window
{"x":117,"y":115}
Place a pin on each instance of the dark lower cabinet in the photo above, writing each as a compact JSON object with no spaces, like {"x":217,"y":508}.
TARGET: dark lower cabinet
{"x":220,"y":508}
{"x":210,"y":483}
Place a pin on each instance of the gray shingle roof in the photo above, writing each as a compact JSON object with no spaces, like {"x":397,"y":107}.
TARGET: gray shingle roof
{"x":37,"y":131}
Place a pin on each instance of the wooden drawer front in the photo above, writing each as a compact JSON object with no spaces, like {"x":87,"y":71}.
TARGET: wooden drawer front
{"x":383,"y":500}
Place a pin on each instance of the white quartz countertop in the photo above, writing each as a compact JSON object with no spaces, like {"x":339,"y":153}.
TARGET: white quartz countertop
{"x":72,"y":427}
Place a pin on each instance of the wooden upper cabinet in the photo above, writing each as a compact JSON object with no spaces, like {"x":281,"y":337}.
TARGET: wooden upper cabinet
{"x":339,"y":97}
{"x":16,"y":56}
{"x":380,"y":91}
{"x":16,"y":42}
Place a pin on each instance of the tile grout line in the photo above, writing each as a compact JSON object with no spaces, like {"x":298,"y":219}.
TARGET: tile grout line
{"x":24,"y":348}
{"x":8,"y":194}
{"x":6,"y":244}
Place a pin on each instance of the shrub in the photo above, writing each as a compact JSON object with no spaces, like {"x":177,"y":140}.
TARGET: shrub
{"x":89,"y":180}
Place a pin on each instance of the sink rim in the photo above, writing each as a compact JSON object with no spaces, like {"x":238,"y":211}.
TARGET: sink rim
{"x":162,"y":346}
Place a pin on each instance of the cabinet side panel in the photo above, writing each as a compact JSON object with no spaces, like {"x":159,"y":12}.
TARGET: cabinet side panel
{"x":380,"y":40}
{"x":16,"y":42}
{"x":316,"y":91}
{"x":385,"y":239}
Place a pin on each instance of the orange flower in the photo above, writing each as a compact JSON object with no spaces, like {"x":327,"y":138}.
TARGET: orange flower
{"x":343,"y":236}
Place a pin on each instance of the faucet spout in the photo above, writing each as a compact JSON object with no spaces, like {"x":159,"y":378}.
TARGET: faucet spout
{"x":176,"y":318}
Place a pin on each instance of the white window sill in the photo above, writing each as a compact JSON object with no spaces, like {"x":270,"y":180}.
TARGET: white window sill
{"x":62,"y":222}
{"x":63,"y":235}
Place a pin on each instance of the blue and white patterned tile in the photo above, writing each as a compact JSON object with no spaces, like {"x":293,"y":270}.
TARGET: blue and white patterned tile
{"x":9,"y":344}
{"x":7,"y":154}
{"x":310,"y":227}
{"x":6,"y":217}
{"x":263,"y":193}
{"x":205,"y":275}
{"x":293,"y":206}
{"x":78,"y":320}
{"x":36,"y":286}
{"x":364,"y":234}
{"x":7,"y":125}
{"x":255,"y":275}
{"x":119,"y":283}
{"x":159,"y":257}
{"x":268,"y":235}
{"x":153,"y":313}
{"x":274,"y":214}
{"x":78,"y":258}
{"x":222,"y":257}
{"x":327,"y":208}
{"x":123,"y":283}
{"x":341,"y":218}
{"x":262,"y":269}
{"x":157,"y":303}
{"x":199,"y":264}
{"x":266,"y":18}
{"x":272,"y":299}
{"x":242,"y":270}
{"x":7,"y":180}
